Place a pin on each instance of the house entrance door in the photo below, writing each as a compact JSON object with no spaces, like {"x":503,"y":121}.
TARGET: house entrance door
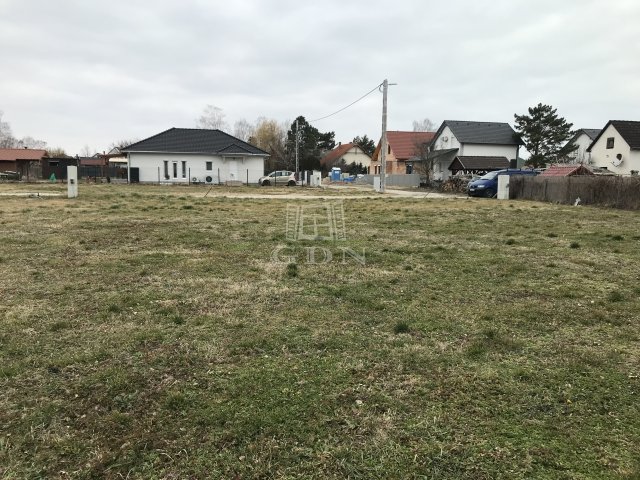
{"x":233,"y":169}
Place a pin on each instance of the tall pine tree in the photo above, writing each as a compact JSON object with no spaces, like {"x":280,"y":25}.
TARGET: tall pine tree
{"x":545,"y":135}
{"x":313,"y":144}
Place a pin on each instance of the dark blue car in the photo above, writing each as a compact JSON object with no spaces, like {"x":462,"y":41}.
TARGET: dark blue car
{"x":487,"y":185}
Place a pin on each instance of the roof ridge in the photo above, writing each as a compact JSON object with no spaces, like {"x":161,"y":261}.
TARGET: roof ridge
{"x":149,"y":138}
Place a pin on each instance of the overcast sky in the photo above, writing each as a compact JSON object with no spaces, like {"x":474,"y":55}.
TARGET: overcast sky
{"x":77,"y":73}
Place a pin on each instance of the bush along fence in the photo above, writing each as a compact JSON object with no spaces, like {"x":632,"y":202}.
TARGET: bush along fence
{"x":605,"y":191}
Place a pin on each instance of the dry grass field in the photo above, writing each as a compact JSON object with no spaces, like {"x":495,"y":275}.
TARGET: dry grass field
{"x":147,"y":332}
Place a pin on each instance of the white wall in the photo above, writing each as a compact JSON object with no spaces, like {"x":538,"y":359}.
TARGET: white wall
{"x":151,"y":167}
{"x":355,"y":155}
{"x":601,"y":156}
{"x":452,"y":142}
{"x":441,"y":170}
{"x":580,"y":154}
{"x":481,"y":150}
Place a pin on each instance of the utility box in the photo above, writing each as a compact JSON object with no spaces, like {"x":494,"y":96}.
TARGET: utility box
{"x":376,"y":183}
{"x":72,"y":182}
{"x":316,"y":178}
{"x":503,"y":187}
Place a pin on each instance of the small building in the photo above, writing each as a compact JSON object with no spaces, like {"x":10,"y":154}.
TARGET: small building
{"x":617,"y":147}
{"x":566,"y":171}
{"x":194,"y":155}
{"x":402,"y":149}
{"x":57,"y":166}
{"x":582,"y":139}
{"x":346,"y":154}
{"x":25,"y":161}
{"x":477,"y":165}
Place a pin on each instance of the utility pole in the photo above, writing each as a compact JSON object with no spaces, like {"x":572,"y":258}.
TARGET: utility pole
{"x":297,"y":143}
{"x":383,"y":143}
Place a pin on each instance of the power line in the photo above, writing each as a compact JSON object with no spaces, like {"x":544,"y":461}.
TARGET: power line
{"x":350,"y":105}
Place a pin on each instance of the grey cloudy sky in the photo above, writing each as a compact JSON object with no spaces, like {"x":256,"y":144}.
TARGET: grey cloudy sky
{"x":90,"y":72}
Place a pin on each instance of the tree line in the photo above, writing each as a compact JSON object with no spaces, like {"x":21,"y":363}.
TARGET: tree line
{"x":279,"y":139}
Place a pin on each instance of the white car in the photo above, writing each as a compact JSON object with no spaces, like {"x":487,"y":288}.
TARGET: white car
{"x":279,"y":177}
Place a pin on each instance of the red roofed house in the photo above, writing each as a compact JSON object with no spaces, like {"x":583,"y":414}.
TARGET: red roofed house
{"x":25,"y":161}
{"x":349,"y":153}
{"x":402,"y":147}
{"x":566,"y":171}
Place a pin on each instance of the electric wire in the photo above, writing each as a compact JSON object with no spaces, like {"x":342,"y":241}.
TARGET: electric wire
{"x":350,"y":105}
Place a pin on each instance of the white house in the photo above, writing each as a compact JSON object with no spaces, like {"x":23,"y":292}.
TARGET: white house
{"x":582,"y":139}
{"x":617,"y":147}
{"x":183,"y":155}
{"x":347,"y":152}
{"x":481,"y":140}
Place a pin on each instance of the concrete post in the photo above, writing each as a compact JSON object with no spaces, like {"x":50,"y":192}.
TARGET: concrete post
{"x":72,"y":182}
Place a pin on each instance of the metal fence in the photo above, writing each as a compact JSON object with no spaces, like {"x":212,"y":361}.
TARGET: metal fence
{"x":605,"y":191}
{"x":86,"y":171}
{"x":409,"y":180}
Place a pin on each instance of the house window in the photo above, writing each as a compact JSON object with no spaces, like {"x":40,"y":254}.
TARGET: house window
{"x":610,"y":142}
{"x":166,"y":169}
{"x":209,"y":166}
{"x":54,"y":163}
{"x":175,"y":169}
{"x":388,"y":149}
{"x":184,"y":169}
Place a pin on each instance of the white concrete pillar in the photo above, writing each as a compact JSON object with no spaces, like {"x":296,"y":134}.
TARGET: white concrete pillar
{"x":503,"y":187}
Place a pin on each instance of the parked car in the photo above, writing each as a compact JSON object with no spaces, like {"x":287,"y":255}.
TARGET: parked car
{"x":279,"y":177}
{"x":487,"y":185}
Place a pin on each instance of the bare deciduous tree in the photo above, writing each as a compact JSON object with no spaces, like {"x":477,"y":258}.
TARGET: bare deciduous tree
{"x":271,"y":137}
{"x":120,"y":144}
{"x":7,"y":140}
{"x":56,"y":152}
{"x":6,"y":136}
{"x":30,"y":142}
{"x":243,"y":130}
{"x":87,"y":151}
{"x":424,"y":164}
{"x":425,"y":125}
{"x":212,"y":117}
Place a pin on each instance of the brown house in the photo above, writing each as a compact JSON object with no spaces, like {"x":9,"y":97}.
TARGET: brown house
{"x":24,"y":161}
{"x":402,"y":148}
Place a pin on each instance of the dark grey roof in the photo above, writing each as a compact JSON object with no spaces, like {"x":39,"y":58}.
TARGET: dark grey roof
{"x":629,"y":130}
{"x":195,"y":140}
{"x":481,"y":163}
{"x":592,"y":133}
{"x":444,"y":155}
{"x":482,"y":132}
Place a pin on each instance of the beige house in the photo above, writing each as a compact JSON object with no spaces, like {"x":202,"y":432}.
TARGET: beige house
{"x":617,"y":148}
{"x":349,"y":153}
{"x":402,"y":148}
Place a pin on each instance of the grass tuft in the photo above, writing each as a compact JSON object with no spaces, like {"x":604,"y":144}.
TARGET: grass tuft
{"x":401,"y":327}
{"x":292,"y":270}
{"x":615,"y":296}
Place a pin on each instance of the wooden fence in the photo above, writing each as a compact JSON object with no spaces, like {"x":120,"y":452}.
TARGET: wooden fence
{"x":604,"y":191}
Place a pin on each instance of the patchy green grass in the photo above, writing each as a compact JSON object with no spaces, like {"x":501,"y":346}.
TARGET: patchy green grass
{"x":146,"y":332}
